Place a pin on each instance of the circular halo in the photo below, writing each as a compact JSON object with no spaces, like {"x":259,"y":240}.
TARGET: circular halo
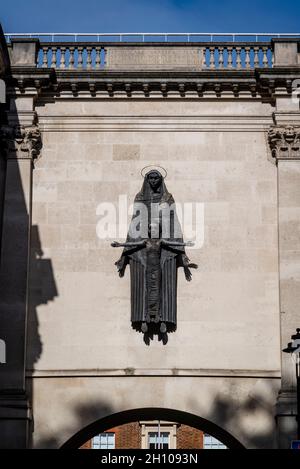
{"x":147,"y":169}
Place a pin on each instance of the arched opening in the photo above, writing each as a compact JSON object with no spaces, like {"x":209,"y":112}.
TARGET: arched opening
{"x":153,"y":413}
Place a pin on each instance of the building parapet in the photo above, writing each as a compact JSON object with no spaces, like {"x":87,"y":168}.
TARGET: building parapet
{"x":167,"y":69}
{"x":137,"y":56}
{"x":157,"y":55}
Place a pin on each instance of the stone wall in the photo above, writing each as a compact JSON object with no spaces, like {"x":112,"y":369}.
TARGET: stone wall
{"x":233,"y":298}
{"x":228,"y":316}
{"x":88,"y":136}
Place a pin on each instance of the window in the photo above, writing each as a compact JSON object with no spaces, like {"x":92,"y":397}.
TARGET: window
{"x":150,"y":431}
{"x":104,"y":441}
{"x":212,"y":443}
{"x":158,"y":440}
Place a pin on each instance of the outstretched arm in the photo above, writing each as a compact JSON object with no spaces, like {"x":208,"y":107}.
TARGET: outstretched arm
{"x":176,"y":243}
{"x":123,"y":261}
{"x":115,"y":244}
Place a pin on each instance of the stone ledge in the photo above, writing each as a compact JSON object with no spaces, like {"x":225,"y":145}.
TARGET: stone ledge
{"x":154,"y":372}
{"x":159,"y":123}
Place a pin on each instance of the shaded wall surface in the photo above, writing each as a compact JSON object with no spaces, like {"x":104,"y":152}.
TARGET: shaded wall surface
{"x":84,"y":330}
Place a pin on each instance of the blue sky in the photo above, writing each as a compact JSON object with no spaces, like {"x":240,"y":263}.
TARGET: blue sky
{"x":150,"y":16}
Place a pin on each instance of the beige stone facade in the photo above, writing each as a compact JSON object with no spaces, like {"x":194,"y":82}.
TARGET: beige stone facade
{"x":83,"y":360}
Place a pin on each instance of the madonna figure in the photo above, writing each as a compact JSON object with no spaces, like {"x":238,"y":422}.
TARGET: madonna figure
{"x":154,"y":249}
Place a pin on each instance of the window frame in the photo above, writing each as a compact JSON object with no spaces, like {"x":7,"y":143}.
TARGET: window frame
{"x":152,"y":427}
{"x":107,"y":445}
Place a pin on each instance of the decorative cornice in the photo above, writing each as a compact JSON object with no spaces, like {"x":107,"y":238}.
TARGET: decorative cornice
{"x":284,"y":142}
{"x":20,"y":142}
{"x":49,"y":84}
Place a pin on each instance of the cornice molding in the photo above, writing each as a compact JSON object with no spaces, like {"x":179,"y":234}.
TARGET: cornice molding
{"x":50,"y":83}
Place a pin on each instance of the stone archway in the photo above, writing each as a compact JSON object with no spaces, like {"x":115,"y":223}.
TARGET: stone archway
{"x":151,"y":413}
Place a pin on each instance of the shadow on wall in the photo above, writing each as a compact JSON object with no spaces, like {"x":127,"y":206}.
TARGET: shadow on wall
{"x":43,"y":289}
{"x":82,"y":413}
{"x":20,"y":145}
{"x":252,"y":421}
{"x":4,"y":71}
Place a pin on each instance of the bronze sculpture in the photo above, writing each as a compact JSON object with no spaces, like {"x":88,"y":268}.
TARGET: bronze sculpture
{"x":154,"y":250}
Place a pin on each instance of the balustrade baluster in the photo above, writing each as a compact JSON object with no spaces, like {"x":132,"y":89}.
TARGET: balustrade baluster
{"x":221,"y":57}
{"x":229,"y":57}
{"x":256,"y":57}
{"x":204,"y":62}
{"x":89,"y":57}
{"x":98,"y":57}
{"x":265,"y":57}
{"x":71,"y":58}
{"x":62,"y":57}
{"x":212,"y":58}
{"x":80,"y":58}
{"x":238,"y":57}
{"x":45,"y":57}
{"x":53,"y":58}
{"x":247,"y":58}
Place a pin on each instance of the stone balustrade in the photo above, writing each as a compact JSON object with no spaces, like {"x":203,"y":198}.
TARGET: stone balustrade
{"x":237,"y":56}
{"x":204,"y":56}
{"x":197,"y":55}
{"x":71,"y":56}
{"x":94,"y":56}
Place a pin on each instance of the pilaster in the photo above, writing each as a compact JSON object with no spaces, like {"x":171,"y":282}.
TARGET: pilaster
{"x":21,"y":142}
{"x":284,"y":141}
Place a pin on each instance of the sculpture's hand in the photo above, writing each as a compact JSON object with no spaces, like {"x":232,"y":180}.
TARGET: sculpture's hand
{"x":187,"y":265}
{"x":115,"y":244}
{"x":121,"y":266}
{"x":187,"y":274}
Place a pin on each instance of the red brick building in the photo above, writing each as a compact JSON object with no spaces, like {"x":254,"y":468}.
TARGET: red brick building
{"x":153,"y":435}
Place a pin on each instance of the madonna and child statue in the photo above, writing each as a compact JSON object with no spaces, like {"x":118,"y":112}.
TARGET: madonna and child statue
{"x":154,"y":250}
